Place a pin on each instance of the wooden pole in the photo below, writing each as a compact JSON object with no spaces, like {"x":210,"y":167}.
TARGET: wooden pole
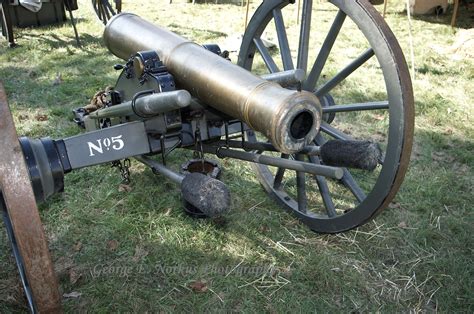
{"x":246,"y":15}
{"x":298,"y":13}
{"x":455,"y":13}
{"x":412,"y":52}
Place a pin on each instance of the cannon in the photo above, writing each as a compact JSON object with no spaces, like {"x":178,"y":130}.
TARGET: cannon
{"x":334,"y":165}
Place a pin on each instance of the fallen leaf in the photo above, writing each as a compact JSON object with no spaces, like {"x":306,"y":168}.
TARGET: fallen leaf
{"x":378,"y":117}
{"x":264,"y":228}
{"x":77,"y":247}
{"x":286,"y":270}
{"x":292,"y":223}
{"x":402,"y":224}
{"x":73,"y":294}
{"x":112,"y":245}
{"x":62,"y":266}
{"x":124,"y":188}
{"x":394,"y":205}
{"x":441,"y":156}
{"x":23,"y":117}
{"x":139,"y":253}
{"x":74,"y":276}
{"x":199,"y":286}
{"x":41,"y":117}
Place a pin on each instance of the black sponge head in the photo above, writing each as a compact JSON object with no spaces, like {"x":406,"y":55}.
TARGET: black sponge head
{"x":207,"y":194}
{"x":351,"y":154}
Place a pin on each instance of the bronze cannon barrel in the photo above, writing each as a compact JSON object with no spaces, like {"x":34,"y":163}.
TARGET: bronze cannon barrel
{"x":290,"y":119}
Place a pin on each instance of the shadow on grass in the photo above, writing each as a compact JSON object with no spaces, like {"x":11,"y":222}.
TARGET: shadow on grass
{"x":155,"y":266}
{"x":465,"y":18}
{"x":445,"y":150}
{"x":53,"y":41}
{"x":24,"y":34}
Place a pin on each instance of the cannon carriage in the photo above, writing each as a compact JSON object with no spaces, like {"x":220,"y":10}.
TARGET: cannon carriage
{"x":314,"y":153}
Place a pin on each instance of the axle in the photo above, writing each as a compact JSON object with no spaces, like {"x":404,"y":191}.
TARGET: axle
{"x":210,"y":196}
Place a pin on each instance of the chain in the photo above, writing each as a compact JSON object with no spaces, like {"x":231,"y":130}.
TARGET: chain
{"x":198,"y":151}
{"x":124,"y":168}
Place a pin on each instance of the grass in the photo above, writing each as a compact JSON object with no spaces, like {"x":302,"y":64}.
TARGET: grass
{"x":138,"y":251}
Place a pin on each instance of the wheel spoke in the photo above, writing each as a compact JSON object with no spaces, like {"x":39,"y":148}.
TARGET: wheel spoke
{"x":279,"y":174}
{"x":357,"y":107}
{"x":323,"y":55}
{"x":304,"y":35}
{"x":267,"y":58}
{"x":110,"y":12}
{"x":324,"y":190}
{"x":283,"y":40}
{"x":332,"y":131}
{"x":118,"y":5}
{"x":352,"y":185}
{"x":109,"y":7}
{"x":324,"y":78}
{"x":344,"y":73}
{"x":98,"y":10}
{"x":301,"y":187}
{"x":103,"y":13}
{"x":106,"y":12}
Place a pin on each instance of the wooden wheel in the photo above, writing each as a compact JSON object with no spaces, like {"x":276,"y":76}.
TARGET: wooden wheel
{"x":22,"y":220}
{"x":354,"y":107}
{"x":104,"y":9}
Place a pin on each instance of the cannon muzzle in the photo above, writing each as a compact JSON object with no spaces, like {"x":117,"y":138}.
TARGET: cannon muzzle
{"x":290,"y":119}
